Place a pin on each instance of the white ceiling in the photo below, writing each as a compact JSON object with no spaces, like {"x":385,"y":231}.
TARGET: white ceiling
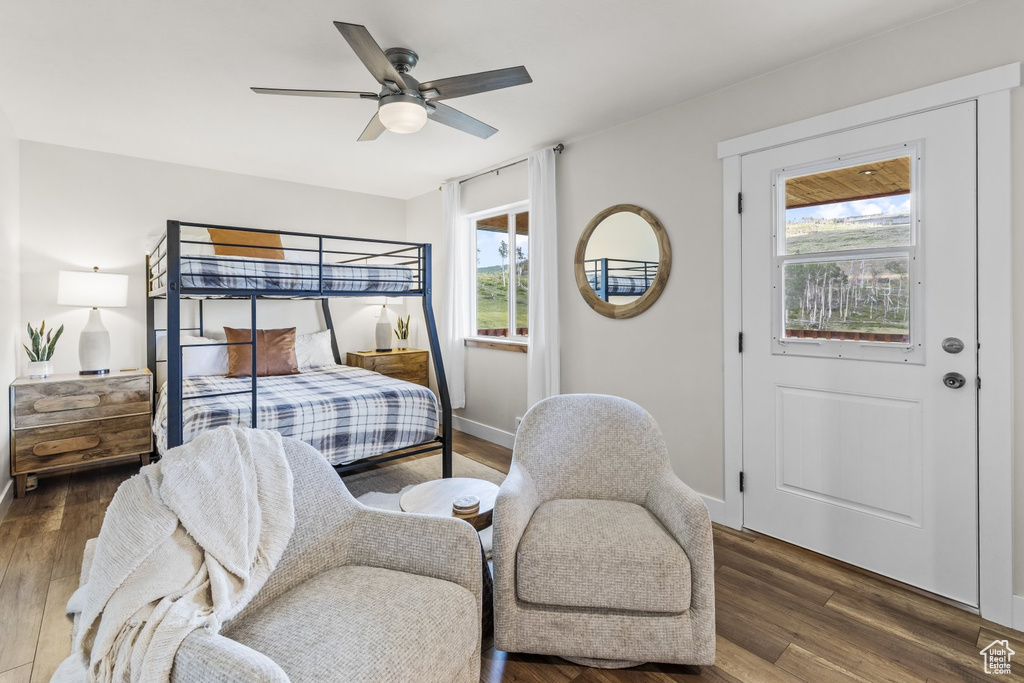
{"x":169,"y":79}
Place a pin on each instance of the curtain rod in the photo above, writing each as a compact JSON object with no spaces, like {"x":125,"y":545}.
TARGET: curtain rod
{"x":559,"y":148}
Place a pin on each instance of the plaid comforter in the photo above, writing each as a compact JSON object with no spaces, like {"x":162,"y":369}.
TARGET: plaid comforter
{"x":346,"y":413}
{"x":245,"y":273}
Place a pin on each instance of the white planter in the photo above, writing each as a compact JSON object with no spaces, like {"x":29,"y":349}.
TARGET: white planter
{"x":401,"y":343}
{"x":41,"y":369}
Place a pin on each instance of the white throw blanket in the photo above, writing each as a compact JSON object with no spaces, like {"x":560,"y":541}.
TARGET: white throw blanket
{"x":185,"y":544}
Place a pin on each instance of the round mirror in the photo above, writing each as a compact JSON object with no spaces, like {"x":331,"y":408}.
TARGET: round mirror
{"x":622,"y":261}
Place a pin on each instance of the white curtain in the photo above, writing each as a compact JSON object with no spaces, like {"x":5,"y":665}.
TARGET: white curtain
{"x":459,"y":297}
{"x":542,"y":358}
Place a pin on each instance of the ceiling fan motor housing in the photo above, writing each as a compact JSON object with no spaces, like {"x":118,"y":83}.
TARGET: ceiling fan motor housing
{"x":403,"y":59}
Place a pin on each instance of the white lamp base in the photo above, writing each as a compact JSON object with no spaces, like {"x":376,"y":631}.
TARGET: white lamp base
{"x":94,"y":346}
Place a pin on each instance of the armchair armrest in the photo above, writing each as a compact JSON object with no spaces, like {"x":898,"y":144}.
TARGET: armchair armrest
{"x":205,"y":656}
{"x":517,"y":500}
{"x":439,"y":547}
{"x":685,"y":516}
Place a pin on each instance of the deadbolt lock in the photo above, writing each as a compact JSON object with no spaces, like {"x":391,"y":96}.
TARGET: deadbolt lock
{"x":954,"y":380}
{"x":952,"y":345}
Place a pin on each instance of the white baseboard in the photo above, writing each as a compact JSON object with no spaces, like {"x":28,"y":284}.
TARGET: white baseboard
{"x":1018,"y":612}
{"x":6,"y":498}
{"x":485,"y":432}
{"x":716,"y":508}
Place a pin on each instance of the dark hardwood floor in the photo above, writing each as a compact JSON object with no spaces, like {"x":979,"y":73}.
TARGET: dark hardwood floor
{"x":784,"y":614}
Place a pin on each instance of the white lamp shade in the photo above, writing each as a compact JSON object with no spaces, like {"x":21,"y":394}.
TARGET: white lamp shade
{"x":403,"y":117}
{"x":94,"y":290}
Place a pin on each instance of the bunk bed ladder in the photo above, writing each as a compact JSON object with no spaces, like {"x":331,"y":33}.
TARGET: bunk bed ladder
{"x":175,"y":433}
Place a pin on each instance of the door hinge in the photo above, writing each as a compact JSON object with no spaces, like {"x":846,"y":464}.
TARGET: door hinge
{"x":741,"y":342}
{"x":979,"y":383}
{"x":739,"y":202}
{"x":741,"y":481}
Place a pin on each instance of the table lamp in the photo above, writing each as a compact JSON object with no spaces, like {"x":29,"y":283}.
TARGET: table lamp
{"x":94,"y":290}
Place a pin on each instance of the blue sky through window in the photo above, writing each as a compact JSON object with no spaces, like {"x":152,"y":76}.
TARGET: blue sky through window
{"x":861,"y":207}
{"x":487,"y":248}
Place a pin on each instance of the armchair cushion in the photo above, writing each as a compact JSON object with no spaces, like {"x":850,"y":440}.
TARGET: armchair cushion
{"x":601,"y":554}
{"x":355,"y":623}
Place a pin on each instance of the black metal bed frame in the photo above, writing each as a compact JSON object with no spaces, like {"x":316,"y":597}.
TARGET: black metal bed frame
{"x":164,"y":263}
{"x":598,"y":271}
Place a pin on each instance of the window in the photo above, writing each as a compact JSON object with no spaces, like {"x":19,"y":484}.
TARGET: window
{"x":846,"y":253}
{"x":502,"y":272}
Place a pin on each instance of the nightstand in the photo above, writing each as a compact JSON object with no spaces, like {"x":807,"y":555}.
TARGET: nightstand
{"x":64,"y":422}
{"x":407,"y":364}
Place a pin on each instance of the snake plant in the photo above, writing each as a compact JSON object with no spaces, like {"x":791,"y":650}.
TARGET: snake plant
{"x":42,"y":347}
{"x":402,"y":331}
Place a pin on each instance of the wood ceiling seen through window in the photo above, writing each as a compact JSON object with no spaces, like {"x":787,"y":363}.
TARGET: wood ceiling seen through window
{"x":500,"y":223}
{"x":883,"y":179}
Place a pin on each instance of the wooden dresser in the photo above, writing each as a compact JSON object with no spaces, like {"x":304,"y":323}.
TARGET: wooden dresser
{"x":407,"y":364}
{"x":63,"y":422}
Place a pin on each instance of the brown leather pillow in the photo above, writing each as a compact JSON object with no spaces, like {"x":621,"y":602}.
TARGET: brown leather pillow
{"x":262,"y":245}
{"x":275,"y":353}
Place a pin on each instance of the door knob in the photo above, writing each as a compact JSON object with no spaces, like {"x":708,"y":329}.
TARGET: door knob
{"x":954,"y":380}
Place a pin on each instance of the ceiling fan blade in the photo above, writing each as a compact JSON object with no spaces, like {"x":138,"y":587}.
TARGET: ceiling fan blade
{"x":442,"y":113}
{"x":367,"y":49}
{"x":373,"y":129}
{"x":470,"y":84}
{"x":316,"y":93}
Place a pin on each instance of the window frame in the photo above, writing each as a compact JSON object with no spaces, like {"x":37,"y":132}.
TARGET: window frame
{"x":486,"y":341}
{"x":910,"y":353}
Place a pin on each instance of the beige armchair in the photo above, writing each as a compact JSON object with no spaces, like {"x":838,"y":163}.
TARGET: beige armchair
{"x":601,"y":554}
{"x":359,"y":595}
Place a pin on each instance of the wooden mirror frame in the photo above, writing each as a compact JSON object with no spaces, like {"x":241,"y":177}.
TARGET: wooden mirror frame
{"x":633,"y":308}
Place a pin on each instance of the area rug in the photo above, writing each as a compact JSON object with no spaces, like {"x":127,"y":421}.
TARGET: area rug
{"x":382,"y":488}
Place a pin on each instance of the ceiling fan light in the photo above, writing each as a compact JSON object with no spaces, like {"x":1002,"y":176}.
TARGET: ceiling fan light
{"x":403,"y":116}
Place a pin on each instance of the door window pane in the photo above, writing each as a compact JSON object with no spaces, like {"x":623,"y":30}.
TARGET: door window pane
{"x":857,"y":299}
{"x":857,"y":207}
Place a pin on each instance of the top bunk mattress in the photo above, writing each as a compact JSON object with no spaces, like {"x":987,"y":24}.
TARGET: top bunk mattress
{"x":236,"y":272}
{"x":346,"y":413}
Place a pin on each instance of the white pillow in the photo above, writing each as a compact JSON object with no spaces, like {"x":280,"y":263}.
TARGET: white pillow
{"x":197,"y":235}
{"x":314,"y":350}
{"x":298,"y":256}
{"x":200,"y":362}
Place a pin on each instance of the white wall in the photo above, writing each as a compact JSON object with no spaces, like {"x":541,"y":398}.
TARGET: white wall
{"x":669,"y":359}
{"x":81,"y":209}
{"x":11,"y":322}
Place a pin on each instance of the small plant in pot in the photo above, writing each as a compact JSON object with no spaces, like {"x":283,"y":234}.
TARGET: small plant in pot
{"x":42,"y":349}
{"x":402,"y":332}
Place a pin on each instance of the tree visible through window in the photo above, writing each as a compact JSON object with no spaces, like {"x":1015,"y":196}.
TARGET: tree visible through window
{"x":503,"y":273}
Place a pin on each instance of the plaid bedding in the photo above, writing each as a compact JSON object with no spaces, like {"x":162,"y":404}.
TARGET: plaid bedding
{"x":624,"y":286}
{"x":246,"y":273}
{"x":346,"y":413}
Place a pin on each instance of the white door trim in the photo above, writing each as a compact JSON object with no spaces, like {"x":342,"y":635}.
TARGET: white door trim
{"x":995,"y":325}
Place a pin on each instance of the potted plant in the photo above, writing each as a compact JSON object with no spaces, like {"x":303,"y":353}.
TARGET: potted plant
{"x":402,"y":332}
{"x":42,"y":349}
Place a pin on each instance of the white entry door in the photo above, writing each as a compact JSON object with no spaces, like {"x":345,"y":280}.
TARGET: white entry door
{"x":859,"y":321}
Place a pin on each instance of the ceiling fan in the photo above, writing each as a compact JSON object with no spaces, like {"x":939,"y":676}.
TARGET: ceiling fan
{"x":404,"y":104}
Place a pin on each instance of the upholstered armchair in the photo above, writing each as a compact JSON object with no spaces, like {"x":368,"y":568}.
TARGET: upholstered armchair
{"x":601,"y":554}
{"x":359,"y":595}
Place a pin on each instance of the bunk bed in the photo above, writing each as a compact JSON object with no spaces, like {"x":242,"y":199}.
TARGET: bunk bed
{"x":620,"y":277}
{"x":354,"y":417}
